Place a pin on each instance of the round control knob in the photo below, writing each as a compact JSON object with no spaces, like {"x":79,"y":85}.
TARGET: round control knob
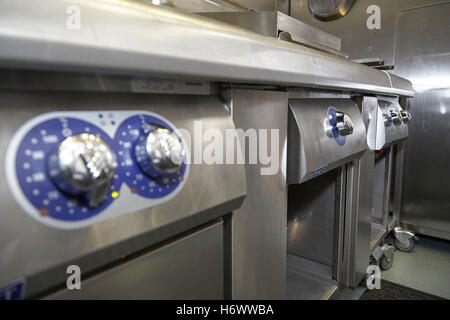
{"x":344,"y":124}
{"x":161,"y":152}
{"x":83,"y":165}
{"x":405,"y":115}
{"x":395,"y":117}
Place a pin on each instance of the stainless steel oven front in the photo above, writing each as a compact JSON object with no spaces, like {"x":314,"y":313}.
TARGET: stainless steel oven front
{"x":326,"y":139}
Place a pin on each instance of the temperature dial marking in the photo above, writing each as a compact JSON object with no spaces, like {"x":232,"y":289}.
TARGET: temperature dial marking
{"x":70,"y":169}
{"x":160,"y":171}
{"x":36,"y":181}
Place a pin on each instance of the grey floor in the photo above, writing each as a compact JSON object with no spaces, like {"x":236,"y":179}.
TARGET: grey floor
{"x":426,"y":268}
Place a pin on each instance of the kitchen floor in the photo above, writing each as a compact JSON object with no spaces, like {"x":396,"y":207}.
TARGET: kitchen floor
{"x":426,"y":268}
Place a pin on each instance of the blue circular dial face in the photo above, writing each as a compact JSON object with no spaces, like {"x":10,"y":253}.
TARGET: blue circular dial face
{"x":130,"y":132}
{"x":41,"y":140}
{"x":340,"y":140}
{"x":33,"y":177}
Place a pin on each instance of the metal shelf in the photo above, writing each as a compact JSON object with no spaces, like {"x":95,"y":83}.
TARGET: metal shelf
{"x":308,"y":280}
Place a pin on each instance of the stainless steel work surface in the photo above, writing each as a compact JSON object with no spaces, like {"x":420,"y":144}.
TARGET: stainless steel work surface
{"x":315,"y":144}
{"x":41,"y":253}
{"x":126,"y":37}
{"x":188,"y":268}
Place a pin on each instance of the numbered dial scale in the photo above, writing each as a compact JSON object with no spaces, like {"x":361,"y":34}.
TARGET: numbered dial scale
{"x":72,"y":169}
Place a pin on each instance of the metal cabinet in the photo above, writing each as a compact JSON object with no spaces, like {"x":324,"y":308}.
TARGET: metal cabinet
{"x":188,"y":268}
{"x":40,"y":254}
{"x":326,"y":143}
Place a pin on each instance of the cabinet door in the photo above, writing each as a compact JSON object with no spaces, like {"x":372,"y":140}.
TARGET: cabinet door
{"x":187,"y":268}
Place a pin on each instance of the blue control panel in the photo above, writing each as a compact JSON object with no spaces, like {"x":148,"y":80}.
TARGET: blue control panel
{"x":130,"y":189}
{"x":128,"y":134}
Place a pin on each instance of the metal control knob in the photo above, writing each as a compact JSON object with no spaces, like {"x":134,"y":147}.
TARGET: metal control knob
{"x":83,"y":165}
{"x":344,"y":124}
{"x":161,"y":152}
{"x":395,"y":117}
{"x":405,"y":115}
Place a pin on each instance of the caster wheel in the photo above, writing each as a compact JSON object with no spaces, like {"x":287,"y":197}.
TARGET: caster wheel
{"x":405,"y":247}
{"x":385,"y":263}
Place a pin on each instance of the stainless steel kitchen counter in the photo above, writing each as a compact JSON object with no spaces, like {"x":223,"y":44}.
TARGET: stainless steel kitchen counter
{"x":124,"y":37}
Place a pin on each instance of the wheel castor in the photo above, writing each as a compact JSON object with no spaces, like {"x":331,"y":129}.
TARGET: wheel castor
{"x":406,"y":245}
{"x":383,"y":256}
{"x":404,"y":240}
{"x":386,"y":262}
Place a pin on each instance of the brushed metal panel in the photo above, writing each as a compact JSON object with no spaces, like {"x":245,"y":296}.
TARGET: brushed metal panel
{"x":198,"y":5}
{"x":357,"y":40}
{"x":264,"y":23}
{"x":304,"y":33}
{"x":416,"y":4}
{"x":400,"y":84}
{"x":259,"y":226}
{"x":311,"y":147}
{"x":398,"y":164}
{"x":32,"y":37}
{"x":312,"y":212}
{"x":423,"y":55}
{"x":189,"y":268}
{"x":307,"y":280}
{"x":278,"y":24}
{"x":358,"y":220}
{"x":259,"y":5}
{"x":41,"y":254}
{"x":203,"y":5}
{"x":273,"y":23}
{"x":393,"y":133}
{"x":380,"y":184}
{"x":283,"y":6}
{"x":359,"y":207}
